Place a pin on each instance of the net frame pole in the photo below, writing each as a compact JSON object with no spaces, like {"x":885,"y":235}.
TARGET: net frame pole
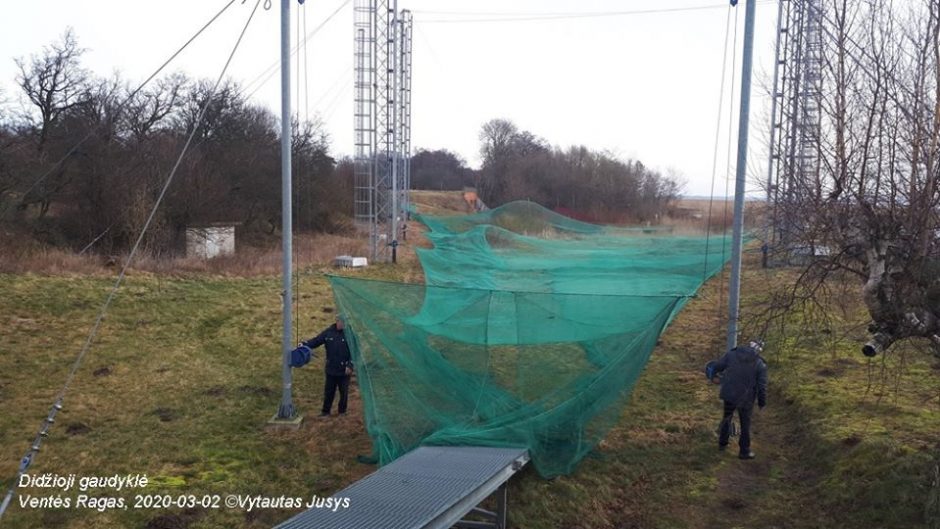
{"x":286,"y":408}
{"x":734,"y":289}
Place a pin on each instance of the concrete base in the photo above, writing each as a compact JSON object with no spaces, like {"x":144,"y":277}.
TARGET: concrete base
{"x":292,"y":424}
{"x":348,"y":261}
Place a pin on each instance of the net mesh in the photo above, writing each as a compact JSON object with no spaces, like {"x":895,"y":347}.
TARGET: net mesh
{"x":530,"y":331}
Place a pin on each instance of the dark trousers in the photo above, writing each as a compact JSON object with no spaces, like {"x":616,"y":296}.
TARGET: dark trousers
{"x":329,"y":391}
{"x":744,"y":413}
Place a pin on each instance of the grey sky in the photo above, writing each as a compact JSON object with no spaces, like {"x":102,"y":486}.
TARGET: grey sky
{"x":641,"y":85}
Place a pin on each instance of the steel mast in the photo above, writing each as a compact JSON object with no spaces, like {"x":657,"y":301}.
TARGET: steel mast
{"x":285,"y":411}
{"x":734,"y":290}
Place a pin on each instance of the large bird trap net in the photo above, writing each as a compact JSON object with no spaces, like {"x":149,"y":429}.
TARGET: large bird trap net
{"x":530,"y":331}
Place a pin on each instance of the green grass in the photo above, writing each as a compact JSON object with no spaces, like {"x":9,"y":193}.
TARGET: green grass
{"x":873,"y":423}
{"x":186,"y":371}
{"x":179,"y":384}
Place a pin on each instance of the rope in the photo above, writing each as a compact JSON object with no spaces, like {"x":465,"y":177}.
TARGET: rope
{"x":275,"y":67}
{"x":304,"y":169}
{"x":295,"y":279}
{"x":96,"y":239}
{"x":57,"y":405}
{"x":297,"y":74}
{"x":332,"y":107}
{"x":306,"y":68}
{"x":721,"y":100}
{"x":533,"y":17}
{"x":306,"y":91}
{"x":302,"y":15}
{"x":121,"y":106}
{"x":724,"y":214}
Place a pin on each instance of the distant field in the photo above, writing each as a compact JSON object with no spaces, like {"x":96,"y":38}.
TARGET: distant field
{"x":691,"y":215}
{"x":186,"y":372}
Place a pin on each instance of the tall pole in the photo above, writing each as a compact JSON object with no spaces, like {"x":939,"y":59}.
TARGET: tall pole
{"x":734,"y":293}
{"x":286,"y":409}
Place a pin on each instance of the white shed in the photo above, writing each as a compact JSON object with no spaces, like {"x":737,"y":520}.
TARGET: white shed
{"x":211,"y":240}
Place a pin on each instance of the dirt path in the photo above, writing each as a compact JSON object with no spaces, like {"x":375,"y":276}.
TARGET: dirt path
{"x":772,"y":491}
{"x":717,"y":490}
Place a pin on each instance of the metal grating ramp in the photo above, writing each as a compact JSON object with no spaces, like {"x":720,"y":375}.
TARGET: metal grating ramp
{"x":429,"y":487}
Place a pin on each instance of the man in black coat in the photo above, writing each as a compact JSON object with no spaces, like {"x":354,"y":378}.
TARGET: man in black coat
{"x":339,"y":366}
{"x":744,"y":380}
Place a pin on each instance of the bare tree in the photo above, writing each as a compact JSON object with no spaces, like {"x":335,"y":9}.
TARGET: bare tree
{"x":54,"y":83}
{"x":151,"y":107}
{"x":104,"y":153}
{"x":518,"y":165}
{"x":496,"y":137}
{"x":439,"y":169}
{"x":873,"y":206}
{"x":8,"y":141}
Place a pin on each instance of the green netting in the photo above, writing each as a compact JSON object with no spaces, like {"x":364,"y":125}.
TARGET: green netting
{"x":530,"y":331}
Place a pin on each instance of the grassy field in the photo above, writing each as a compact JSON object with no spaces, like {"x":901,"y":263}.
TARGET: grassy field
{"x":186,"y":372}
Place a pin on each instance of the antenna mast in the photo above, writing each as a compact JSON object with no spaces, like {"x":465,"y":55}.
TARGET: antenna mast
{"x":382,"y":123}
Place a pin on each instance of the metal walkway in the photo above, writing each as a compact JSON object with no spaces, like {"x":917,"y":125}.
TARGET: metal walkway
{"x":427,"y":488}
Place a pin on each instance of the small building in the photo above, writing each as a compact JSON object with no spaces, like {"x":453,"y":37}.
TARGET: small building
{"x":210,"y":240}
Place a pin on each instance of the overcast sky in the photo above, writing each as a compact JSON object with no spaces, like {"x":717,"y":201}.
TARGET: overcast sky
{"x":643,"y":85}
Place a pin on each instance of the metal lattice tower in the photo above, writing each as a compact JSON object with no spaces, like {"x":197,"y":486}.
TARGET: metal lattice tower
{"x":382,"y":122}
{"x":364,"y":122}
{"x":404,"y":106}
{"x":386,"y":60}
{"x":794,"y":163}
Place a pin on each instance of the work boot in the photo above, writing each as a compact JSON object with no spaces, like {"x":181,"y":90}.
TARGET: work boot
{"x":747,"y":455}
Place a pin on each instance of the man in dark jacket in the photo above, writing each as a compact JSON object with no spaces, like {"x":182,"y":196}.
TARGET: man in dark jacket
{"x":744,"y":380}
{"x":339,"y":366}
